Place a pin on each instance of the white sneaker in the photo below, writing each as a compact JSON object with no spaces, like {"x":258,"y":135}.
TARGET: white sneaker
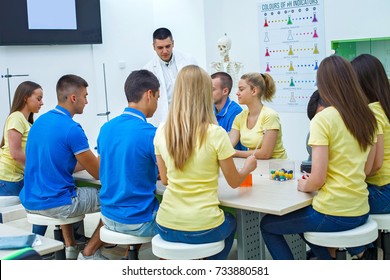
{"x":97,"y":256}
{"x":71,"y":252}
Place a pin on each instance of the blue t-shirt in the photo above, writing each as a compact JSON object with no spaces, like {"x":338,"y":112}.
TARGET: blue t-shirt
{"x":128,"y":168}
{"x":226,"y":116}
{"x":52,"y":145}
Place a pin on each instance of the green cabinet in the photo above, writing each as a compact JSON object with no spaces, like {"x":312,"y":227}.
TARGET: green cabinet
{"x":379,"y":47}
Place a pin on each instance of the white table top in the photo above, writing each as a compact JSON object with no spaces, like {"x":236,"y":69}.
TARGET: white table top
{"x":48,"y":245}
{"x":265,"y":196}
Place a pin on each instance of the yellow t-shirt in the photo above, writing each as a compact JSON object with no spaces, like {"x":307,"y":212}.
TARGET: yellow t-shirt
{"x":382,"y":176}
{"x":190,"y":202}
{"x":267,"y":120}
{"x":10,"y":169}
{"x":345,"y":190}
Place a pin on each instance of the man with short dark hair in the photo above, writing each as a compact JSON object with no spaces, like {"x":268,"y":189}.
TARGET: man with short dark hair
{"x":128,"y":168}
{"x":56,"y":147}
{"x":165,"y":65}
{"x":225,"y":109}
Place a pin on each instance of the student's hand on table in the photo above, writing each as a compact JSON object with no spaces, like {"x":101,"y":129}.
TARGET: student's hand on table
{"x":302,"y":182}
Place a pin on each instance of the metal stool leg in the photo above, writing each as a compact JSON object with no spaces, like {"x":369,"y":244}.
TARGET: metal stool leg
{"x":378,"y":242}
{"x":59,"y":255}
{"x":386,"y":245}
{"x":341,"y":254}
{"x":133,"y":253}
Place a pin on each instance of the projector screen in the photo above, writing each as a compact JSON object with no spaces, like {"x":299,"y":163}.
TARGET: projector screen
{"x":48,"y":22}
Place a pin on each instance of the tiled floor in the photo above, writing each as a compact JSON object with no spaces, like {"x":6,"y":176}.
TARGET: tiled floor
{"x":90,"y":223}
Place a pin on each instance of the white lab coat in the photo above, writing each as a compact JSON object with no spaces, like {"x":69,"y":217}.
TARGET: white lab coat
{"x":154,"y":66}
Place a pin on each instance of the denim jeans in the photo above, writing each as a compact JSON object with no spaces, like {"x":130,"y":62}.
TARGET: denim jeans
{"x":39,"y":229}
{"x":225,"y":232}
{"x":10,"y":188}
{"x":298,"y":222}
{"x":146,"y":229}
{"x":379,"y":199}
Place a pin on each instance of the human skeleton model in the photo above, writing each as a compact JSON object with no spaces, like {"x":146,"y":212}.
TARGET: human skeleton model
{"x":225,"y":65}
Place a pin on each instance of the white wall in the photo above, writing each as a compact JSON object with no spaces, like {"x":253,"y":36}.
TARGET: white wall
{"x":127,"y":27}
{"x":44,"y":65}
{"x":354,"y":19}
{"x":347,"y":19}
{"x":185,"y":19}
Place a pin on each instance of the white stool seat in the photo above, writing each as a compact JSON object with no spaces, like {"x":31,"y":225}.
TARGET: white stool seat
{"x":114,"y":237}
{"x":358,"y":236}
{"x":37,"y":219}
{"x":383,"y":220}
{"x":6,"y":201}
{"x":184,"y":251}
{"x":11,"y":213}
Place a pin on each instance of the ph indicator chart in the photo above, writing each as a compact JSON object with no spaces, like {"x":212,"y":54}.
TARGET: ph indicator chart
{"x":292,"y":45}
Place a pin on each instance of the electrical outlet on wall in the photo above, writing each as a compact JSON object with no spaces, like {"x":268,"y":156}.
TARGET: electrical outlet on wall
{"x":122,"y":64}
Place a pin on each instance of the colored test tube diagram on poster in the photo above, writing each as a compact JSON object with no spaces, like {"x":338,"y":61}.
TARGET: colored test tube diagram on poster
{"x":292,"y":45}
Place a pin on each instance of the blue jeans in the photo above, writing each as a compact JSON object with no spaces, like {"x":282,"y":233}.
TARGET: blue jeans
{"x":39,"y":229}
{"x":10,"y":188}
{"x":298,"y":222}
{"x":146,"y":229}
{"x":379,"y":199}
{"x":225,"y":232}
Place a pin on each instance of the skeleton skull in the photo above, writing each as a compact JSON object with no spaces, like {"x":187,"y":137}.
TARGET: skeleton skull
{"x":224,"y":45}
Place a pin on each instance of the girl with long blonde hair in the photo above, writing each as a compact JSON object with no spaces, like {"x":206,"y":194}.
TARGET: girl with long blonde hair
{"x":190,"y":148}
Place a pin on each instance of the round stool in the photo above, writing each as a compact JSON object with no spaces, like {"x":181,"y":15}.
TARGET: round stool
{"x":114,"y":237}
{"x":383,"y":221}
{"x":49,"y":221}
{"x":184,"y":251}
{"x":359,"y":236}
{"x":37,"y":219}
{"x":6,"y":201}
